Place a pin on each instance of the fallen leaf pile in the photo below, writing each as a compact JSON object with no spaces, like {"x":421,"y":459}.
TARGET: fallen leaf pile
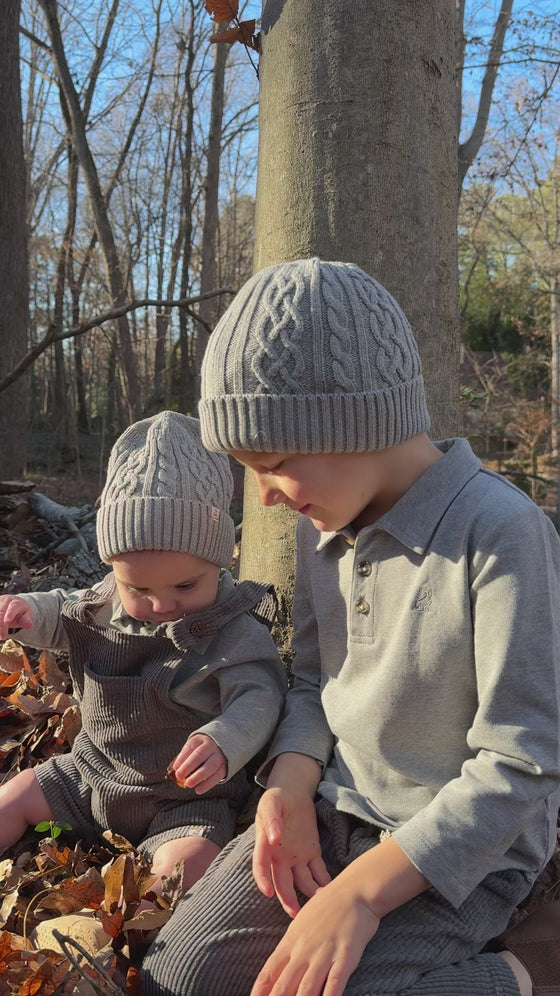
{"x":71,"y":921}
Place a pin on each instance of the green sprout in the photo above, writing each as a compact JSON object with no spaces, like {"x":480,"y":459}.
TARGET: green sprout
{"x":54,"y":828}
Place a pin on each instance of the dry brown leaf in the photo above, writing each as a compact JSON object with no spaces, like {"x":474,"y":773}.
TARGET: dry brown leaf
{"x":27,"y":704}
{"x":8,"y":906}
{"x":51,"y":854}
{"x":222,"y":10}
{"x":243,"y":32}
{"x":133,"y":982}
{"x":120,"y":883}
{"x":8,"y":681}
{"x":173,"y":777}
{"x":58,"y":702}
{"x":51,"y":674}
{"x":119,"y":842}
{"x":74,"y":894}
{"x":112,"y":922}
{"x":11,"y":656}
{"x":11,"y":947}
{"x":147,"y":920}
{"x":72,"y":723}
{"x":30,"y":676}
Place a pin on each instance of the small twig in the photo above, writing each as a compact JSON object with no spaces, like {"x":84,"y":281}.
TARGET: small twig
{"x":38,"y":895}
{"x":64,"y":940}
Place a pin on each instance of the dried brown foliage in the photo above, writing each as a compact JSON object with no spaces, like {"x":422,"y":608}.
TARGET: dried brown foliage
{"x":44,"y":879}
{"x":222,"y":10}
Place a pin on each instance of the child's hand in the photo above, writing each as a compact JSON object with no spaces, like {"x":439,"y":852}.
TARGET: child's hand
{"x":15,"y":613}
{"x":287,"y":851}
{"x":322,"y":946}
{"x":200,"y":764}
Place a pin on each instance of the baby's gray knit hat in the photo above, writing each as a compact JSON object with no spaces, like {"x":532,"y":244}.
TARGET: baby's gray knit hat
{"x":312,"y":357}
{"x":164,"y":491}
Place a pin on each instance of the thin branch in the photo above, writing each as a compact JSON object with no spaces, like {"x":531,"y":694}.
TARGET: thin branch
{"x":51,"y":335}
{"x":65,"y":942}
{"x":33,"y":38}
{"x":469,"y":150}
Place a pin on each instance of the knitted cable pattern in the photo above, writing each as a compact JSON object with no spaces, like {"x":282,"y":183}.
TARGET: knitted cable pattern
{"x":164,"y":491}
{"x":396,"y":358}
{"x":312,"y":356}
{"x":341,"y":361}
{"x":278,"y":360}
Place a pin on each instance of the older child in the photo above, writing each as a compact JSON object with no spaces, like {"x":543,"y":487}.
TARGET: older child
{"x":168,"y":663}
{"x":413,"y":784}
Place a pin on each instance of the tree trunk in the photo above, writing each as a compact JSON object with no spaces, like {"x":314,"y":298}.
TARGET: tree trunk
{"x":207,"y":310}
{"x":555,"y":366}
{"x":358,"y":162}
{"x":115,"y":276}
{"x":14,"y":310}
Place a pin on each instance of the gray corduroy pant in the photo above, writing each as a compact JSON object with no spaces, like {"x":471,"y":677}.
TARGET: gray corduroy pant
{"x":224,"y":930}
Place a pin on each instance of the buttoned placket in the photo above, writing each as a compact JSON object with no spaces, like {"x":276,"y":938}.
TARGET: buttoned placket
{"x":364,"y":574}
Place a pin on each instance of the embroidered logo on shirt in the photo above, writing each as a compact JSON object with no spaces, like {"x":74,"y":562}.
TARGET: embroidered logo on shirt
{"x":423,"y":600}
{"x":214,"y":513}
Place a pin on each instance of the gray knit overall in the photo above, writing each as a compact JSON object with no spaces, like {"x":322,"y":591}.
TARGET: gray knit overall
{"x":115,"y":776}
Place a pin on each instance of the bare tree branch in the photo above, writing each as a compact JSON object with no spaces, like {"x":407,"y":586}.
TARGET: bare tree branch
{"x":469,"y":150}
{"x":52,"y":335}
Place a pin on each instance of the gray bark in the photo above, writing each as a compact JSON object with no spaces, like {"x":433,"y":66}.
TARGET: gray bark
{"x":14,"y":310}
{"x":358,"y":162}
{"x":115,"y":277}
{"x":208,"y":309}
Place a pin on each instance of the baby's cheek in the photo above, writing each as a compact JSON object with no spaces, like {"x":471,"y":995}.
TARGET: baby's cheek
{"x":135,"y":607}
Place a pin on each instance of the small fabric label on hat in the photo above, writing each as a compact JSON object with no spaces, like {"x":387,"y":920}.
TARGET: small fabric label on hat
{"x":214,"y":513}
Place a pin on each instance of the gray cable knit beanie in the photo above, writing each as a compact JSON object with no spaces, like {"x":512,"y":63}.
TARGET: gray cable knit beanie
{"x":164,"y":491}
{"x":312,"y":357}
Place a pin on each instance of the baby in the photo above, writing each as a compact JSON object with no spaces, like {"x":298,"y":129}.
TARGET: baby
{"x":169,"y":661}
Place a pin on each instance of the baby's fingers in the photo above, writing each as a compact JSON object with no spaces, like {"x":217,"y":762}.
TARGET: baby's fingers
{"x":309,"y":878}
{"x":283,"y":879}
{"x":15,"y":616}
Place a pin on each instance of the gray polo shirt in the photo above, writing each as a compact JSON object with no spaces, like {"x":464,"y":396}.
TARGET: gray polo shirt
{"x":427,"y":673}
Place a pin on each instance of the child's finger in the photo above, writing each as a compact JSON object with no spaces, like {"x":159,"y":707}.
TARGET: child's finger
{"x":319,"y":870}
{"x":283,"y":879}
{"x":262,"y":873}
{"x":203,"y":771}
{"x":192,"y":756}
{"x":271,"y":817}
{"x":305,"y":881}
{"x":16,"y":616}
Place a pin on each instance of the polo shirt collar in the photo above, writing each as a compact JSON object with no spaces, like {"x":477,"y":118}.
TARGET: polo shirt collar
{"x":415,"y":517}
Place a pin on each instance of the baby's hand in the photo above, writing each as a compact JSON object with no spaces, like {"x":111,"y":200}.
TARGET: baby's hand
{"x":15,"y":613}
{"x":200,"y":765}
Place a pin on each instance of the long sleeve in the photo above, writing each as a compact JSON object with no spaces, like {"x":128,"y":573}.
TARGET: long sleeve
{"x":250,"y":683}
{"x":507,"y":793}
{"x":48,"y":632}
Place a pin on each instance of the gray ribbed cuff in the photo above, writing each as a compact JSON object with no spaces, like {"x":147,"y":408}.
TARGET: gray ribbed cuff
{"x":324,"y":423}
{"x":165,"y":524}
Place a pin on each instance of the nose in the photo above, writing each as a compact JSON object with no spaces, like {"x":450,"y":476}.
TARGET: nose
{"x":269,"y":494}
{"x":162,"y":604}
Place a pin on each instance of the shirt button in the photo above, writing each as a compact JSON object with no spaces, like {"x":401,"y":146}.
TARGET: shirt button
{"x":364,"y":568}
{"x":197,"y":629}
{"x":362,"y":606}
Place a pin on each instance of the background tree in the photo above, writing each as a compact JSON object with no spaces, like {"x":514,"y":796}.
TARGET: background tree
{"x":358,"y":161}
{"x":13,"y":245}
